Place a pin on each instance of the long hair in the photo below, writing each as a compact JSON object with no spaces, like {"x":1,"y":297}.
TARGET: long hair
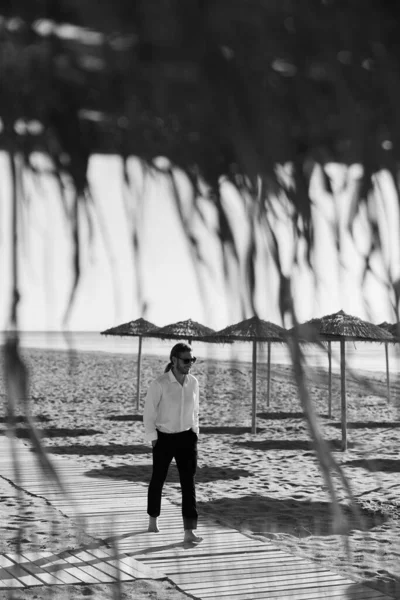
{"x":176,"y":350}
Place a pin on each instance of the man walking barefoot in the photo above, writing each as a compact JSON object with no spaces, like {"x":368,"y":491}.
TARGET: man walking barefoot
{"x":171,"y":421}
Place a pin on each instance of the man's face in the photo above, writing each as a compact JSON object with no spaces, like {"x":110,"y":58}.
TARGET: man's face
{"x":183,"y":362}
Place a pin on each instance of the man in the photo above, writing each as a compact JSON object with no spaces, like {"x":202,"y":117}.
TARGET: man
{"x":171,"y":421}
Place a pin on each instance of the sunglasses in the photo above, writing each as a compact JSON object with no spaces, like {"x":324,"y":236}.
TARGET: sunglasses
{"x":186,"y":361}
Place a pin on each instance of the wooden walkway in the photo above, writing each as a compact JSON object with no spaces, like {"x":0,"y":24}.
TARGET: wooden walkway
{"x":227,"y":564}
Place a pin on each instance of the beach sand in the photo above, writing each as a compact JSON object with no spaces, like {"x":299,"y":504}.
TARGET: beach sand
{"x":268,"y":483}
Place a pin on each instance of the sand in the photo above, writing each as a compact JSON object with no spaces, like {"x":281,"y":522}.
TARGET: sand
{"x":268,"y":483}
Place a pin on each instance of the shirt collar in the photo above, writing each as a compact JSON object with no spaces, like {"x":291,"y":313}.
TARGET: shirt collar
{"x":171,"y":376}
{"x":173,"y":379}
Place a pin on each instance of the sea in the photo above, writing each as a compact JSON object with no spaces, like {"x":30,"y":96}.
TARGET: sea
{"x":359,"y":355}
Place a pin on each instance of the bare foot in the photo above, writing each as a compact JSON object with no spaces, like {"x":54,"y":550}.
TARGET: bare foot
{"x":191,"y":537}
{"x":153,"y":525}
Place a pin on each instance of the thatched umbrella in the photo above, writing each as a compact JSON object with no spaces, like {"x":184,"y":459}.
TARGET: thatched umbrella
{"x":341,"y":327}
{"x":252,"y":330}
{"x":182,"y":330}
{"x":394,"y":329}
{"x":138,"y":328}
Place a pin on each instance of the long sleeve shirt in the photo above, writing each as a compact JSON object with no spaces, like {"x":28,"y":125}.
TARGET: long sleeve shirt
{"x":170,"y":406}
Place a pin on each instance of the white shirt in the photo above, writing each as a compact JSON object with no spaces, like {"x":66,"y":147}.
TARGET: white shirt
{"x":170,"y":406}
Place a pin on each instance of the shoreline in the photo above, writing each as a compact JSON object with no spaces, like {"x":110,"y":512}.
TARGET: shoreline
{"x":373,"y":373}
{"x":360,"y":356}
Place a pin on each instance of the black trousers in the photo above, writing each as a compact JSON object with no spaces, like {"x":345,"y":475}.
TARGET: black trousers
{"x":183,"y":447}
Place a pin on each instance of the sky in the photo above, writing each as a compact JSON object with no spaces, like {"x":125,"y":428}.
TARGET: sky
{"x":164,"y":283}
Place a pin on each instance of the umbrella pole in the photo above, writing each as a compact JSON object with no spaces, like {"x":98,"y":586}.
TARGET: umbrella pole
{"x":387,"y":371}
{"x":269,"y":373}
{"x":254,"y":390}
{"x":139,"y":364}
{"x":330,"y":381}
{"x":343,"y":393}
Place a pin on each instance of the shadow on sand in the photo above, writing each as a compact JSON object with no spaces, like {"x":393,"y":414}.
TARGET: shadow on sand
{"x":287,"y":444}
{"x":358,"y":590}
{"x":272,"y":416}
{"x":138,"y":418}
{"x":368,"y":425}
{"x":228,"y":429}
{"x":54,"y":432}
{"x":297,"y":517}
{"x":100,"y":449}
{"x":23,"y":419}
{"x":142,"y":473}
{"x":386,"y":465}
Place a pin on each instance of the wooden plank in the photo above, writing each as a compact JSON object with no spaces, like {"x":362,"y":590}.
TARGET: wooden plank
{"x":103,"y":516}
{"x":221,"y":562}
{"x":136,"y":523}
{"x":179,"y":552}
{"x":239,"y":569}
{"x":60,"y":563}
{"x":137,"y":569}
{"x":104,"y":493}
{"x":217,"y":558}
{"x":215,"y":579}
{"x":128,"y":506}
{"x":267,"y":562}
{"x":228,"y":540}
{"x":129,"y":497}
{"x":135,"y":530}
{"x":165,"y":551}
{"x":105,"y":565}
{"x":81,"y":563}
{"x":136,"y":526}
{"x":98,"y":563}
{"x":252,"y":591}
{"x":264,"y":555}
{"x":31,"y":471}
{"x":217,"y":543}
{"x":44,"y":561}
{"x":127,"y":564}
{"x":123,"y":501}
{"x":84,"y":510}
{"x":219,"y":584}
{"x":204,"y":551}
{"x":48,"y":577}
{"x":7,"y":579}
{"x":89,"y":508}
{"x":18,"y":572}
{"x":9,"y":582}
